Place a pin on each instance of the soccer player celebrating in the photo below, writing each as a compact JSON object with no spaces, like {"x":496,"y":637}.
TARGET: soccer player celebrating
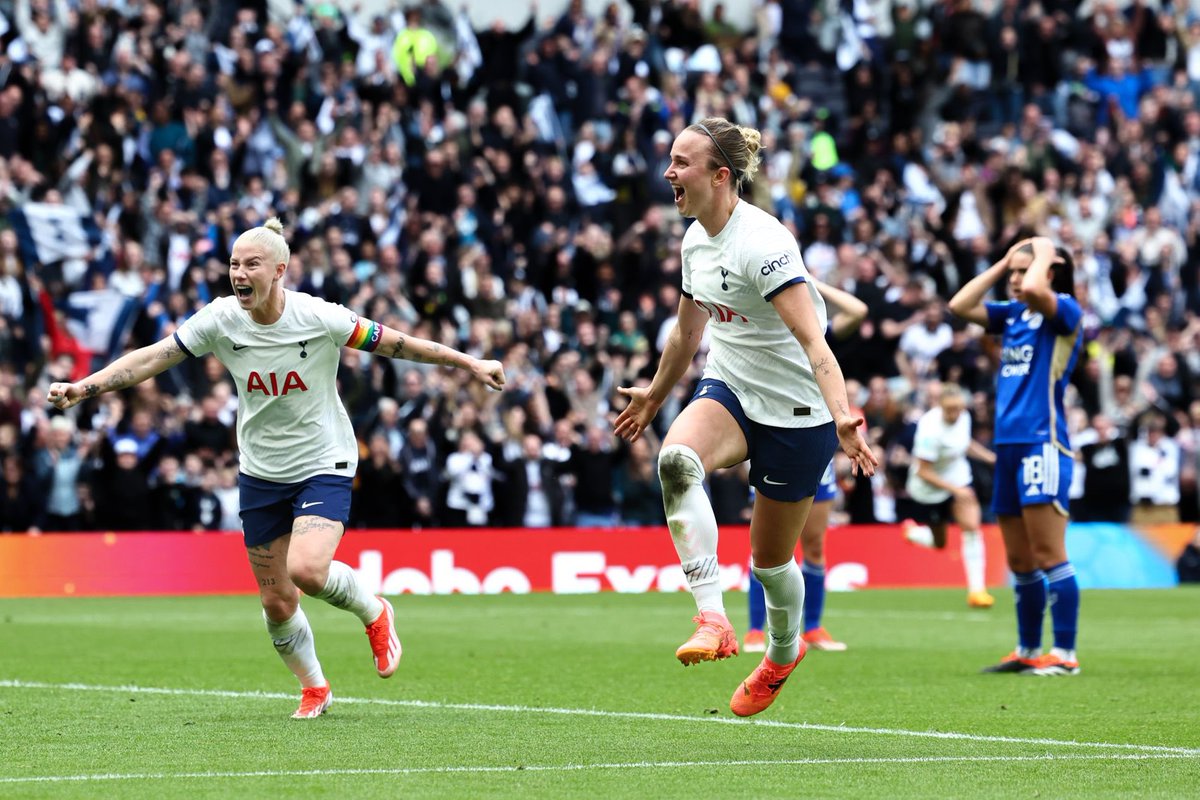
{"x":939,"y":483}
{"x":849,"y":313}
{"x":772,"y":392}
{"x":1041,"y":338}
{"x":298,"y":453}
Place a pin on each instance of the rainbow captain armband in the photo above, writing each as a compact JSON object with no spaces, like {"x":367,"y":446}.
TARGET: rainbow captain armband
{"x":366,"y":335}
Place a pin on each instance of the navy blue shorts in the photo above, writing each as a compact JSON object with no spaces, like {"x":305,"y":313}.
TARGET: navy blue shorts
{"x":268,"y":509}
{"x":1030,"y":474}
{"x":786,"y":464}
{"x":934,"y":514}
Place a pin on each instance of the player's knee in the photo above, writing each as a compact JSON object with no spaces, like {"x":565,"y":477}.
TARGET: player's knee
{"x":309,"y":576}
{"x":279,"y":607}
{"x":813,"y":551}
{"x":679,"y":468}
{"x":1020,"y":562}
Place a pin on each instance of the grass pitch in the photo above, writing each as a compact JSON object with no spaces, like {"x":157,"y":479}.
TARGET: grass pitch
{"x":580,"y":696}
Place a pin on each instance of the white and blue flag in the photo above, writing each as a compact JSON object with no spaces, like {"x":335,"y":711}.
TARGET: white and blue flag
{"x":101,"y":319}
{"x":50,"y":233}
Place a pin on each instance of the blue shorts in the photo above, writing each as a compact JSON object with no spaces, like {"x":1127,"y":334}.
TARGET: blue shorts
{"x":268,"y":509}
{"x":1029,"y":475}
{"x":786,"y":464}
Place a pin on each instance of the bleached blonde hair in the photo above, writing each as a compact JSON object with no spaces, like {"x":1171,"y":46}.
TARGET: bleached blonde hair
{"x":270,"y":237}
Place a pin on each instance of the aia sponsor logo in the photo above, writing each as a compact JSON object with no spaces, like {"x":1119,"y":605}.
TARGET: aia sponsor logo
{"x":270,"y":384}
{"x":718,"y":312}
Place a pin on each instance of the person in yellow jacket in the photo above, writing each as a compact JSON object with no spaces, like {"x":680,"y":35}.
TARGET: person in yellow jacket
{"x":413,"y":46}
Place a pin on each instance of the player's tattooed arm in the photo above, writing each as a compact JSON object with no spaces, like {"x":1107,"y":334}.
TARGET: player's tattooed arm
{"x":128,"y":370}
{"x":169,"y":350}
{"x":119,"y":379}
{"x":412,"y":348}
{"x":394,"y":344}
{"x":375,"y":338}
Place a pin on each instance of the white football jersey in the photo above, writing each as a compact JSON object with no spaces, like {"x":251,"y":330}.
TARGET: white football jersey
{"x":733,"y":276}
{"x":290,"y":421}
{"x":945,"y":446}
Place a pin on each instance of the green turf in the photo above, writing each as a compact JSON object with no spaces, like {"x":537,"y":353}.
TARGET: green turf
{"x":488,"y":702}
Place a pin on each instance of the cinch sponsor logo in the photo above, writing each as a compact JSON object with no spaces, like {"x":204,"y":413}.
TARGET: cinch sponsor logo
{"x":272,"y":387}
{"x":1016,"y":361}
{"x":772,"y":263}
{"x":572,"y":572}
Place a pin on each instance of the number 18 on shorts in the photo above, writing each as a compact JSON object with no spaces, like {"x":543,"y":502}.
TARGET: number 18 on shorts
{"x":1031,"y":474}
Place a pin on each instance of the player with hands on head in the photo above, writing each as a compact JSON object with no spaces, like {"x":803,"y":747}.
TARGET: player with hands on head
{"x":772,"y":392}
{"x":848,"y":314}
{"x":1040,"y":331}
{"x":298,"y":452}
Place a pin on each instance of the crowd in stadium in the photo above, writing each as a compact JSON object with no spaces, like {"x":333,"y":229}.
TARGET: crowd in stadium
{"x":501,"y":190}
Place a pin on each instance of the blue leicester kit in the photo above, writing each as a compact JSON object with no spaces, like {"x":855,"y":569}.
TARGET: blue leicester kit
{"x":1034,"y":460}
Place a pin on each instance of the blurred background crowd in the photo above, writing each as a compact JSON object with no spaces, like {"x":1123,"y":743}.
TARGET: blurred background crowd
{"x":498,"y":188}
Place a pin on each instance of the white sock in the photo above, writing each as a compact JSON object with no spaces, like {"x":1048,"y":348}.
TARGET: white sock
{"x":293,"y":641}
{"x":921,"y":535}
{"x":692,"y":524}
{"x":1065,"y":655}
{"x":974,"y":560}
{"x":342,"y":590}
{"x":783,"y":587}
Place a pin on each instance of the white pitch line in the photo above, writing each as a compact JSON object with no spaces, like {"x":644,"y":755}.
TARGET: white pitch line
{"x":591,"y":712}
{"x":482,"y":769}
{"x":939,"y":616}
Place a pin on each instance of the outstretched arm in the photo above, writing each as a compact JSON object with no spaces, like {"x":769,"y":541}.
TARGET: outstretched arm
{"x":394,"y":344}
{"x":644,"y":401}
{"x":796,"y":309}
{"x":128,"y":370}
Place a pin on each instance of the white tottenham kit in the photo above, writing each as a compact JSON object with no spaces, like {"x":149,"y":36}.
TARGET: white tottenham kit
{"x":290,"y":421}
{"x":732,"y":276}
{"x":945,"y":446}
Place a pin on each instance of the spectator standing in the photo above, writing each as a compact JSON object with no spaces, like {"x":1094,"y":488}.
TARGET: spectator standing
{"x":1154,"y":461}
{"x":593,"y":465}
{"x":469,"y":475}
{"x":59,"y":467}
{"x":1106,"y":483}
{"x":380,"y":498}
{"x":174,"y":503}
{"x":531,"y":494}
{"x":122,"y":487}
{"x":21,"y":502}
{"x":418,"y":464}
{"x":637,"y":485}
